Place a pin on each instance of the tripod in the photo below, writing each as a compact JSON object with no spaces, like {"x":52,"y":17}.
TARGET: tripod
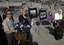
{"x":38,"y":31}
{"x":39,"y":28}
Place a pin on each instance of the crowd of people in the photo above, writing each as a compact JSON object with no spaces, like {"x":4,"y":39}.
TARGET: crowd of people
{"x":7,"y":25}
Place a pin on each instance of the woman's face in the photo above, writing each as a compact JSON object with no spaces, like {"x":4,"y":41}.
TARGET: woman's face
{"x":9,"y":14}
{"x":50,"y":13}
{"x":23,"y":12}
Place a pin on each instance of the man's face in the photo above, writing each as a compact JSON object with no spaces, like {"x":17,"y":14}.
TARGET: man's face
{"x":9,"y":14}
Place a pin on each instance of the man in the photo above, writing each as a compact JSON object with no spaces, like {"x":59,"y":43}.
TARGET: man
{"x":8,"y":28}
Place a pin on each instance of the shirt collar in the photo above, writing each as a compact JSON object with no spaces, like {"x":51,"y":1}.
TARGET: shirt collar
{"x":8,"y":19}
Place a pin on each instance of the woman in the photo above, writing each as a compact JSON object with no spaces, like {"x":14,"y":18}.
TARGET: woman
{"x":4,"y":15}
{"x":50,"y":17}
{"x":25,"y":20}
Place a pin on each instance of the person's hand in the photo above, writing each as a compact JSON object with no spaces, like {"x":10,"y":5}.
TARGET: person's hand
{"x":24,"y":16}
{"x":16,"y":31}
{"x":13,"y":30}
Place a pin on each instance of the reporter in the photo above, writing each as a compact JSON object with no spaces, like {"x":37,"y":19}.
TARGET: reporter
{"x":24,"y":18}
